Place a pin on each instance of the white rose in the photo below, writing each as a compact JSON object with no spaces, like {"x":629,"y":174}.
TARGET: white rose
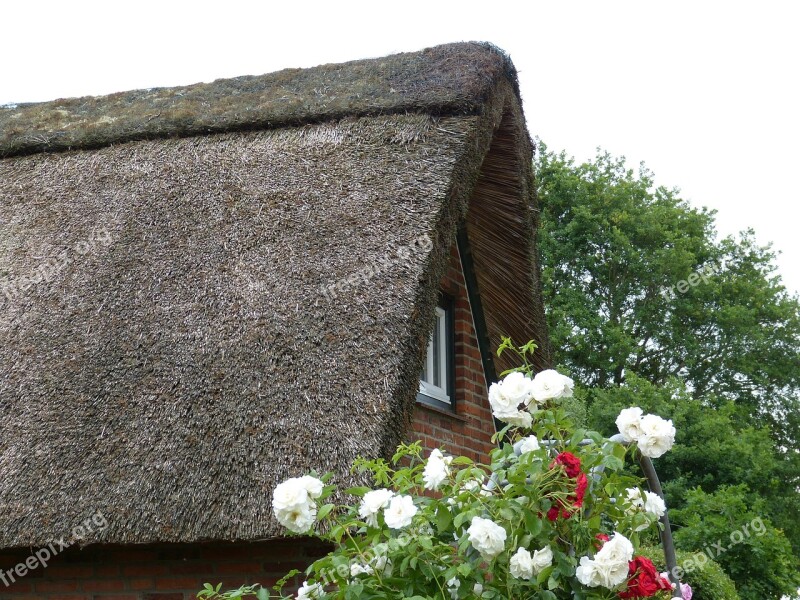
{"x":650,"y":502}
{"x":616,"y":550}
{"x":298,"y":518}
{"x":658,"y":436}
{"x":502,"y":405}
{"x":309,"y":592}
{"x":588,"y":573}
{"x":487,"y":537}
{"x":629,"y":423}
{"x":436,"y":470}
{"x":477,"y":589}
{"x":635,"y":497}
{"x":529,"y":444}
{"x":518,"y":388}
{"x":372,"y":503}
{"x":612,"y":574}
{"x":595,"y":574}
{"x":521,"y":419}
{"x":292,"y":505}
{"x":521,"y":564}
{"x":542,"y":559}
{"x":549,"y":384}
{"x":312,"y":485}
{"x":654,"y":504}
{"x":400,"y":512}
{"x":289,"y":494}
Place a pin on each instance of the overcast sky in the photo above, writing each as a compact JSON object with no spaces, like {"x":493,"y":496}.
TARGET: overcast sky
{"x":706,"y":93}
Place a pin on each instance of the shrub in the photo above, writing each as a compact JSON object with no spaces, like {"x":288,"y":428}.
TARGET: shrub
{"x":708,"y":580}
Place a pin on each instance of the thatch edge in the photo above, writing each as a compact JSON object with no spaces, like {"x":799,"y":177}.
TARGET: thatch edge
{"x":504,"y":101}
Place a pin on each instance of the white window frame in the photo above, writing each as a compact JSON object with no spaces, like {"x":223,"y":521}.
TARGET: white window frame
{"x":429,"y":388}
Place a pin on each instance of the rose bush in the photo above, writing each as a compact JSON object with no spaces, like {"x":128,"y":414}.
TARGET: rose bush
{"x":553,"y":514}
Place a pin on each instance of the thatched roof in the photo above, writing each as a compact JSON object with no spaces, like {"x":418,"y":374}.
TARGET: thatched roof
{"x":167,"y":354}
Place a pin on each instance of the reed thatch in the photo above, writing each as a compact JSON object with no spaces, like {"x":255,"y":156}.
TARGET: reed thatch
{"x":168,"y":351}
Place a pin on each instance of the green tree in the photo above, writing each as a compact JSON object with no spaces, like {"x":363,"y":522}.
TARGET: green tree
{"x":735,"y":532}
{"x":615,"y":251}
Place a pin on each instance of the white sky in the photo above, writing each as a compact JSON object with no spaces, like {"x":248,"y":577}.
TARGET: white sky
{"x":706,"y":93}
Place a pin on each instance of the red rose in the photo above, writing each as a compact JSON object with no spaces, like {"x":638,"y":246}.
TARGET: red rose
{"x":572,"y":467}
{"x":580,"y":490}
{"x":572,"y":464}
{"x":643,"y":579}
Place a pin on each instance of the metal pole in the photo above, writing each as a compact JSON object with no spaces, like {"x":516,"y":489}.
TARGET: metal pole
{"x":666,"y":532}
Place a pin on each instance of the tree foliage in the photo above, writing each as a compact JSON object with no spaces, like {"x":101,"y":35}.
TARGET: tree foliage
{"x":635,"y":281}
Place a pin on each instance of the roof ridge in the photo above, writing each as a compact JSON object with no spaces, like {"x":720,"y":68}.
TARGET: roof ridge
{"x":451,"y":79}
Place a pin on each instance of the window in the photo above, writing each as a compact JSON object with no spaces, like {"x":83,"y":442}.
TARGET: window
{"x":436,"y":380}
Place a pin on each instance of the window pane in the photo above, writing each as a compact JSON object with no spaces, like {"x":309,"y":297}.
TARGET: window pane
{"x":442,"y":326}
{"x":427,"y":369}
{"x":437,"y":349}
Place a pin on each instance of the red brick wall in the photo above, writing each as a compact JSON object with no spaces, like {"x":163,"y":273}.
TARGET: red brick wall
{"x":469,"y":430}
{"x":157,"y":572}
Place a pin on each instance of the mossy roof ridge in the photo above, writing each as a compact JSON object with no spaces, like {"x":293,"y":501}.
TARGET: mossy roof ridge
{"x":448,"y":80}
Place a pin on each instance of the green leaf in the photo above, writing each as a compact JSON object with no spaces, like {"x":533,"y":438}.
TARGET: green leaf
{"x":533,"y":524}
{"x":443,"y":519}
{"x":357,"y":491}
{"x":612,"y":462}
{"x":324,"y":510}
{"x":544,"y":575}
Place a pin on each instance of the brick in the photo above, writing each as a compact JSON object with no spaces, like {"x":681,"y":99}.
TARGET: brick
{"x":145,"y":569}
{"x":178,"y":583}
{"x":226,"y":552}
{"x":131,"y":555}
{"x":116,"y":597}
{"x":238,"y":567}
{"x":21,"y":586}
{"x":157,"y":596}
{"x":179,"y":553}
{"x":103,"y":585}
{"x":140,"y":583}
{"x":190,"y":567}
{"x":69,"y":570}
{"x":106,"y":570}
{"x":69,"y":597}
{"x":57,"y":585}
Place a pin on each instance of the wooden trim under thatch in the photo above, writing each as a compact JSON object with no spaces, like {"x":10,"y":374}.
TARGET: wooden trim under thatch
{"x":187,"y":321}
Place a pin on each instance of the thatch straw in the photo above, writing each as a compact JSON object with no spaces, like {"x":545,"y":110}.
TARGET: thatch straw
{"x":181,"y":360}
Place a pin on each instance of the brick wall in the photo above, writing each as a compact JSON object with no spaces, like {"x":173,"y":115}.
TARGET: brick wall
{"x":468,"y":431}
{"x":157,"y":572}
